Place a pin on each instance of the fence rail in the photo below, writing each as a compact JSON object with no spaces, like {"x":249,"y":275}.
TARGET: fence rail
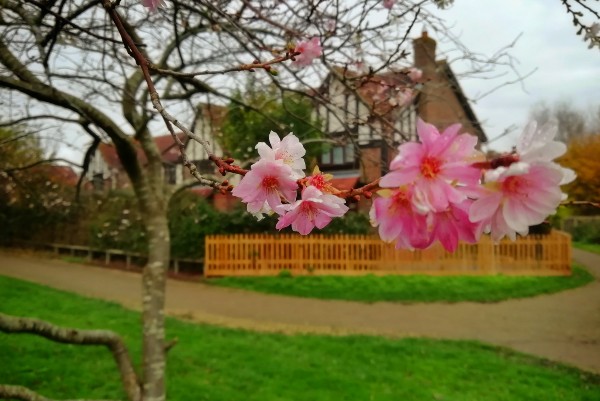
{"x":109,"y":255}
{"x":268,"y":255}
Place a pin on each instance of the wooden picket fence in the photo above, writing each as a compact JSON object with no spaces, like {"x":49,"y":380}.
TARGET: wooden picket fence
{"x":268,"y":255}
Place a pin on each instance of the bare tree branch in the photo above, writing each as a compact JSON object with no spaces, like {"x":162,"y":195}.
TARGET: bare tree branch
{"x":9,"y":392}
{"x":116,"y":345}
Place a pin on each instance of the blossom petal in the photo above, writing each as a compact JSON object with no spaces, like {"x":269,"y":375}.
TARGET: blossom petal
{"x":398,"y":178}
{"x":485,"y":207}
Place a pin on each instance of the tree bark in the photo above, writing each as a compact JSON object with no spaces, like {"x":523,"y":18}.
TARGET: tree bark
{"x":153,"y":295}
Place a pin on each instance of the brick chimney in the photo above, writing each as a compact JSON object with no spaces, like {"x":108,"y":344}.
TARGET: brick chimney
{"x":424,"y":53}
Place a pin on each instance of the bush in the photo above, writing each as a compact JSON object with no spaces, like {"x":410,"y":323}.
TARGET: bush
{"x":351,"y":223}
{"x":191,"y":218}
{"x":114,"y":223}
{"x":587,"y":232}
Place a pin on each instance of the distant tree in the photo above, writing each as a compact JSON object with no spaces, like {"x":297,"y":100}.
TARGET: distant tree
{"x":582,"y":156}
{"x":33,"y":194}
{"x":571,"y":122}
{"x":244,"y":127}
{"x":18,"y":148}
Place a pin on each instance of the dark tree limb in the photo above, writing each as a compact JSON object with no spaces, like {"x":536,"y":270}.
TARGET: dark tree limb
{"x":87,"y":158}
{"x":66,"y":335}
{"x":8,"y":392}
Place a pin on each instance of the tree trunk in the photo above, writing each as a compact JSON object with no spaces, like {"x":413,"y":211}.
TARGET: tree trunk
{"x":153,"y":296}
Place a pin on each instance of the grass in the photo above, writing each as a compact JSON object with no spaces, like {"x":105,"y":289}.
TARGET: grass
{"x":408,"y":289}
{"x":211,"y":363}
{"x":595,"y":248}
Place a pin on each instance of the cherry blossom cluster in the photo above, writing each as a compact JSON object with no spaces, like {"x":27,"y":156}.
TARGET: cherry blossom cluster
{"x":441,"y":189}
{"x":400,"y":95}
{"x":438,"y":189}
{"x":277,"y":177}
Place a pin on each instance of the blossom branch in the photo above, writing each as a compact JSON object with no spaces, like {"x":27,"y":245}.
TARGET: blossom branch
{"x":580,"y":203}
{"x":289,"y":55}
{"x":66,"y":335}
{"x":366,"y":190}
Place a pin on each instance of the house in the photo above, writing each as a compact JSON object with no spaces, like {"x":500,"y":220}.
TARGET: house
{"x":105,"y":171}
{"x":379,"y":122}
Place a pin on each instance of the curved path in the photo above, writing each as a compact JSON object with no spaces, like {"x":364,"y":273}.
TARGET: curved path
{"x":563,"y":327}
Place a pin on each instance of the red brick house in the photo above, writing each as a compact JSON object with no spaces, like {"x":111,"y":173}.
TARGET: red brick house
{"x":377,"y":125}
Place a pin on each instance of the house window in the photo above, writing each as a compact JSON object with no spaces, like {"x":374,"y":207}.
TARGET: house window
{"x":343,"y":155}
{"x":170,"y":174}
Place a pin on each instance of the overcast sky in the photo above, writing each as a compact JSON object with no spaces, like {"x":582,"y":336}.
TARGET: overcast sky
{"x":566,"y":68}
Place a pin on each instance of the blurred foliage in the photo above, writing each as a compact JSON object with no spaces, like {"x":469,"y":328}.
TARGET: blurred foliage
{"x":351,"y":223}
{"x":582,"y":156}
{"x":588,"y":233}
{"x":115,"y":223}
{"x":33,"y":201}
{"x":191,"y":218}
{"x":243,"y":127}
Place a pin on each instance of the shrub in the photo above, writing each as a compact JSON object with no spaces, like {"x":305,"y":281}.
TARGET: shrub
{"x":114,"y":223}
{"x":587,"y":232}
{"x":351,"y":223}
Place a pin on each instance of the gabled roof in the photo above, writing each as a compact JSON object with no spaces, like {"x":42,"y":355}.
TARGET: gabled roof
{"x":374,"y":90}
{"x":369,"y":88}
{"x":165,"y":143}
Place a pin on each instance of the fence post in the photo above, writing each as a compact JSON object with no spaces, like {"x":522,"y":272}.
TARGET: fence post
{"x":485,"y":254}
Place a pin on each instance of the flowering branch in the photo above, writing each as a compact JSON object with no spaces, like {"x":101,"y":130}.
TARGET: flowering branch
{"x":301,"y":55}
{"x":366,"y":190}
{"x":580,"y":203}
{"x":255,"y":65}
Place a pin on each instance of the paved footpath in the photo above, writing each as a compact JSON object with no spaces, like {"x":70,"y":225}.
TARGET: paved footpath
{"x":563,"y":327}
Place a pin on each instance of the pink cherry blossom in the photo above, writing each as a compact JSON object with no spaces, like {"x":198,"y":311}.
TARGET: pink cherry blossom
{"x":438,"y":167}
{"x":517,"y":197}
{"x":267,"y":181}
{"x":321,"y":181}
{"x":402,"y":97}
{"x":153,"y":5}
{"x":389,"y":4}
{"x":453,"y":225}
{"x":309,"y":50}
{"x":315,"y":209}
{"x":289,"y":150}
{"x":537,"y":144}
{"x":415,"y":74}
{"x":394,"y":213}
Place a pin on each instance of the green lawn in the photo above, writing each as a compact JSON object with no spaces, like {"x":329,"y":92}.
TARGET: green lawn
{"x":414,"y":288}
{"x":595,"y":248}
{"x":211,"y":363}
